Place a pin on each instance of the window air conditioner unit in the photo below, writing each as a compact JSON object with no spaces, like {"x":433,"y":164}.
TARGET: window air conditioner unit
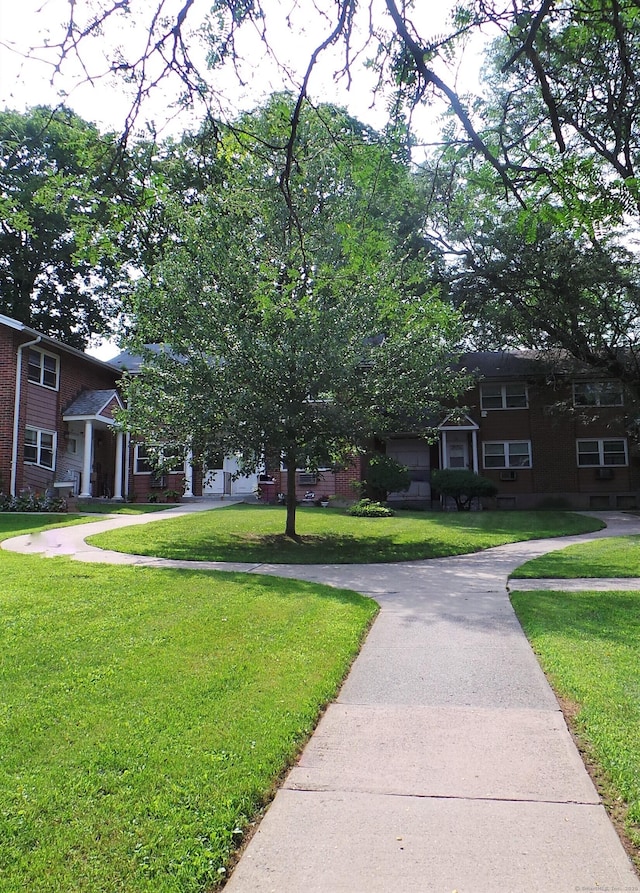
{"x":509,"y":475}
{"x":604,"y":474}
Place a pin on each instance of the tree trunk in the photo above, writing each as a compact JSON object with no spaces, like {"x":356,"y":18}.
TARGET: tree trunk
{"x":290,"y":529}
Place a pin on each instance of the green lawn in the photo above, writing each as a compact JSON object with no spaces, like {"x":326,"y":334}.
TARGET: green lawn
{"x":255,"y":534}
{"x":125,"y":508}
{"x":147,"y":715}
{"x":615,"y":557}
{"x":17,"y":523}
{"x":588,"y":643}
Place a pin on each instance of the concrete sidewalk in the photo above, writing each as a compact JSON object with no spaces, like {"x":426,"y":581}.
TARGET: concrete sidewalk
{"x":445,"y":763}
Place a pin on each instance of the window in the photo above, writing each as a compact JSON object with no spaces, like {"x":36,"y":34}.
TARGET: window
{"x":43,"y":368}
{"x":597,"y":393}
{"x":142,"y":462}
{"x":40,"y":447}
{"x":503,"y":396}
{"x":602,"y":452}
{"x":145,"y":460}
{"x":507,"y":454}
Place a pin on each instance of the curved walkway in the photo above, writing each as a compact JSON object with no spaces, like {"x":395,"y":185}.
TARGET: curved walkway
{"x":445,"y":763}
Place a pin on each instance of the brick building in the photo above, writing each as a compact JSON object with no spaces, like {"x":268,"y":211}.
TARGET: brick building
{"x":56,"y":416}
{"x":548,"y":431}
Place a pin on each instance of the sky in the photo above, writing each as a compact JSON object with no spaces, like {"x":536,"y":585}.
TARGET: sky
{"x":25,"y":79}
{"x":28,"y":76}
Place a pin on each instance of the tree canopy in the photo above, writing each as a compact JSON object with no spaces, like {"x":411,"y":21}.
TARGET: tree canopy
{"x":60,"y":218}
{"x":294,"y":321}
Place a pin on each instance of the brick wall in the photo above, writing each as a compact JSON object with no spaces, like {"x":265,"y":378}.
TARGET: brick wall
{"x":328,"y":483}
{"x":40,"y":407}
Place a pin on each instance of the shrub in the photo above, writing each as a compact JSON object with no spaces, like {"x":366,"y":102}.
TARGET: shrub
{"x":386,"y":475}
{"x":32,"y":502}
{"x":462,"y":485}
{"x":368,"y":509}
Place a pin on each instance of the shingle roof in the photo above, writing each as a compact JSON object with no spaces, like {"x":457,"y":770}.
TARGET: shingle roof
{"x":90,"y":403}
{"x":522,"y":363}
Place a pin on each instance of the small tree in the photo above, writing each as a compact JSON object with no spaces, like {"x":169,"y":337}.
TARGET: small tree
{"x":297,"y":322}
{"x":462,"y":485}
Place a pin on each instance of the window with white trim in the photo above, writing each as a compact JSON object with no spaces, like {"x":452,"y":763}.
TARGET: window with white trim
{"x":507,"y":454}
{"x":602,"y":451}
{"x":43,"y":369}
{"x":504,"y":396}
{"x":40,"y":447}
{"x":145,"y":460}
{"x":597,"y":393}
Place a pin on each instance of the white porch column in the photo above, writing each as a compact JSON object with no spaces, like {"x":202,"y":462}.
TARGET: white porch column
{"x":445,"y":457}
{"x":474,"y":449}
{"x":117,"y":484}
{"x":188,"y":474}
{"x":85,"y":484}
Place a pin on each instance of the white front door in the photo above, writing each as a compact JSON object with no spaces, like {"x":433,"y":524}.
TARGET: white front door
{"x":457,"y":453}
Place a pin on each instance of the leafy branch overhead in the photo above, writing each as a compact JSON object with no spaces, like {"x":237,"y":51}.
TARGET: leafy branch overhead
{"x":568,"y":72}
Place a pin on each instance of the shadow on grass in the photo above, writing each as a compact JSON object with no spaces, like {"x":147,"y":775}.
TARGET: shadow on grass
{"x":306,"y":549}
{"x":249,"y":534}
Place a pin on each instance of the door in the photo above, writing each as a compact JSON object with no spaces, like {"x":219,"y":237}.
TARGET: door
{"x":457,"y":453}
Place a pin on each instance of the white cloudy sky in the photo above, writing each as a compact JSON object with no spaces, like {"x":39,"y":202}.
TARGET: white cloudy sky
{"x":29,"y":24}
{"x":27,"y":75}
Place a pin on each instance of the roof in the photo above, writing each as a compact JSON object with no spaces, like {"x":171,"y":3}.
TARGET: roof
{"x":90,"y":404}
{"x":48,"y":341}
{"x":523,"y":364}
{"x":133,"y":362}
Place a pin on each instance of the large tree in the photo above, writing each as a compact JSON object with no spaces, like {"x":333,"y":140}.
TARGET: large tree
{"x":575,"y":64}
{"x":298,"y":315}
{"x":61,"y":214}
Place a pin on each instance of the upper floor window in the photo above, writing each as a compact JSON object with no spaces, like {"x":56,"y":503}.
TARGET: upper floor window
{"x":43,"y":368}
{"x":597,"y":393}
{"x":603,"y":451}
{"x":507,"y":454}
{"x":40,"y":447}
{"x":503,"y":396}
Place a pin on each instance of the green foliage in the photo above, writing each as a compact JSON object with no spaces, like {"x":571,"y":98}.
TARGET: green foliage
{"x":327,"y":536}
{"x":386,"y":475}
{"x":294,"y":320}
{"x":366,"y":508}
{"x":32,"y":502}
{"x":462,"y":485}
{"x":59,"y":265}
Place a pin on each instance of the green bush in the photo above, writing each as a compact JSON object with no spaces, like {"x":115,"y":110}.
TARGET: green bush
{"x":386,"y":475}
{"x":32,"y":502}
{"x":462,"y":485}
{"x":368,"y":509}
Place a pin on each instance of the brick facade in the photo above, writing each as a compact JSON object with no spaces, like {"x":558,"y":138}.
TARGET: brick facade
{"x":41,"y":408}
{"x":577,"y":456}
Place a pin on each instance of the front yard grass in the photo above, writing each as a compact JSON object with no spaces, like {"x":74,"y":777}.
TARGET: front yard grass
{"x":17,"y":523}
{"x":147,"y":715}
{"x":125,"y":508}
{"x":615,"y":557}
{"x":254,"y":534}
{"x":588,"y":644}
